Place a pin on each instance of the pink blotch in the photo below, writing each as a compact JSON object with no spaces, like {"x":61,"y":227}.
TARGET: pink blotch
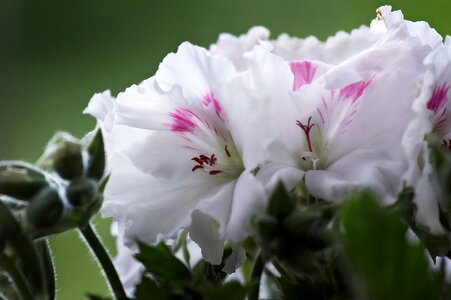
{"x":209,"y":98}
{"x":303,"y":72}
{"x":354,"y":90}
{"x":182,"y":120}
{"x":439,"y":98}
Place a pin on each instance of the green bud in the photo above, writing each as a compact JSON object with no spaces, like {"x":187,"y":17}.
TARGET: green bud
{"x":81,"y":191}
{"x":20,"y":180}
{"x":45,"y":209}
{"x":64,"y":155}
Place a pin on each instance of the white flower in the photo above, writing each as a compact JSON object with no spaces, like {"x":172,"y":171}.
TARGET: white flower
{"x":182,"y":157}
{"x":341,"y":122}
{"x":433,"y":110}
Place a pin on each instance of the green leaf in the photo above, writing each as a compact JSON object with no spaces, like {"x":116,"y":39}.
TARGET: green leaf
{"x":96,"y":151}
{"x":97,"y":297}
{"x":24,"y":249}
{"x":386,"y":265}
{"x":160,"y":261}
{"x":232,"y":290}
{"x":280,"y":202}
{"x":148,"y":289}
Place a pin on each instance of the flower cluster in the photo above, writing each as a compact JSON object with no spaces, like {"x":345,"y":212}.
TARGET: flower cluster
{"x":202,"y":143}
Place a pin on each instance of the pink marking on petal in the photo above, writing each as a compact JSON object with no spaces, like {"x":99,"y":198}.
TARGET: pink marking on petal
{"x":439,"y":98}
{"x":182,"y":120}
{"x":321,"y":115}
{"x":209,"y":98}
{"x":303,"y":72}
{"x":437,"y":104}
{"x":354,"y":90}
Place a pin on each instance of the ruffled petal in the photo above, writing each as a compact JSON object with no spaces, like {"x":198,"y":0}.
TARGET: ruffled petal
{"x":234,"y":47}
{"x":195,"y":70}
{"x":356,"y":171}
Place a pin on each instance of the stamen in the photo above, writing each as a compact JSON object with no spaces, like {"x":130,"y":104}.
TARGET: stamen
{"x":203,"y":162}
{"x":306,"y":129}
{"x":214,"y":172}
{"x":227,"y":151}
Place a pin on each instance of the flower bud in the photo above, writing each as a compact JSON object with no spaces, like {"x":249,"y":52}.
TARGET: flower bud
{"x":81,"y":191}
{"x":20,"y":181}
{"x":45,"y":209}
{"x":63,"y":154}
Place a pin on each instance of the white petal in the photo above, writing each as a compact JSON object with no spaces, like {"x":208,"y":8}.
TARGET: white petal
{"x":235,"y":260}
{"x":248,"y":199}
{"x":234,"y":47}
{"x":426,"y":198}
{"x":146,"y":207}
{"x":356,"y":171}
{"x":128,"y":268}
{"x":260,"y":108}
{"x":195,"y":70}
{"x":101,"y":107}
{"x":204,"y":231}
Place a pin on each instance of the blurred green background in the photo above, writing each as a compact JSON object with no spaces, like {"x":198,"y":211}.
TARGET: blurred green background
{"x":54,"y":55}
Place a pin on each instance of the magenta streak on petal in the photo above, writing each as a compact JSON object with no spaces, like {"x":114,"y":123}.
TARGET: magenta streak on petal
{"x":354,"y":90}
{"x":182,"y":120}
{"x":209,"y":98}
{"x":437,"y":104}
{"x":303,"y":72}
{"x":321,"y":115}
{"x":438,"y":98}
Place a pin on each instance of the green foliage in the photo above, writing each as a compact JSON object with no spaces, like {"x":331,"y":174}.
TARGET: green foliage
{"x":171,"y":279}
{"x":385,"y":264}
{"x":95,"y":148}
{"x":148,"y":289}
{"x":160,"y":261}
{"x":280,"y":202}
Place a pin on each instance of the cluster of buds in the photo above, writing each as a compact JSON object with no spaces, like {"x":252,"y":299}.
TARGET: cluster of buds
{"x":61,"y":192}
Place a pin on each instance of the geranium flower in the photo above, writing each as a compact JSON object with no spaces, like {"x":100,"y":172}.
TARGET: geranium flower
{"x":342,"y":122}
{"x":182,"y":158}
{"x":433,"y":116}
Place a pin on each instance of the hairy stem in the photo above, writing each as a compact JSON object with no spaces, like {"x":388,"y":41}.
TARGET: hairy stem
{"x":104,"y":261}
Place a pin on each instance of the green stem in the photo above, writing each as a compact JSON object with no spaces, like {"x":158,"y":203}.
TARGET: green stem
{"x":104,"y":260}
{"x":256,"y":274}
{"x":18,"y":278}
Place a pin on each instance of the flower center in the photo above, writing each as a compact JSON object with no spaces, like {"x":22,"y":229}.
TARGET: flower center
{"x":330,"y":119}
{"x":309,"y":158}
{"x":205,"y":134}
